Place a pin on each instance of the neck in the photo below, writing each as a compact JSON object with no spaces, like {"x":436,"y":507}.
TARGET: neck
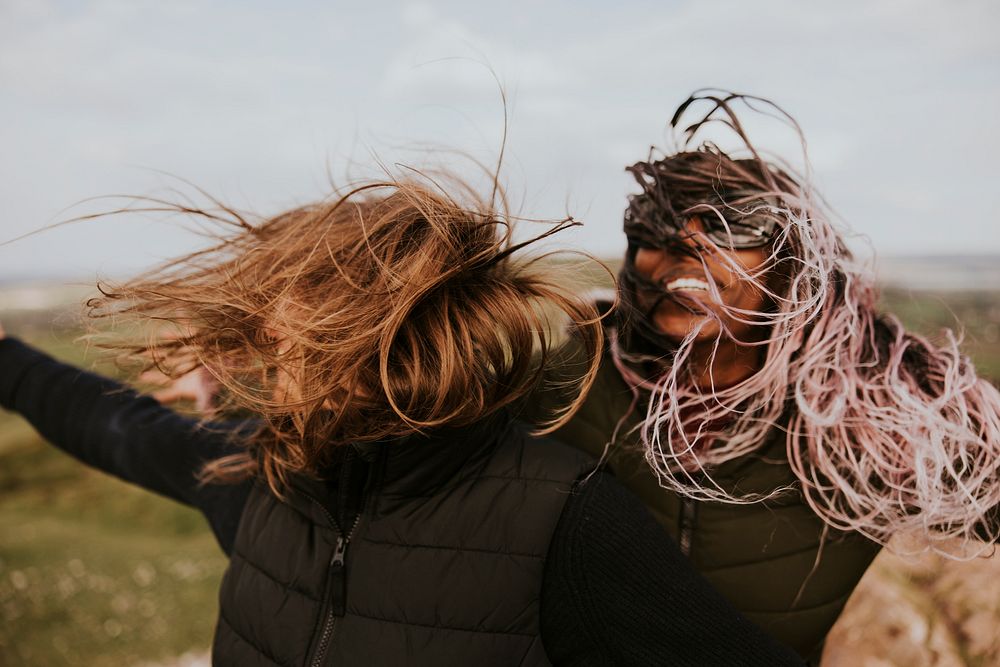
{"x":722,"y":366}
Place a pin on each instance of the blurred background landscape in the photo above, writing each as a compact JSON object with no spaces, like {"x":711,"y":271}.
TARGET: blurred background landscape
{"x":96,"y":572}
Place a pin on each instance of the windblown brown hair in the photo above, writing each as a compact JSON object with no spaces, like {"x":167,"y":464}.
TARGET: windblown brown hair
{"x":391,"y":310}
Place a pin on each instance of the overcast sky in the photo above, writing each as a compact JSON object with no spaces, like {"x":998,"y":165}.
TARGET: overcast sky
{"x":257,"y":101}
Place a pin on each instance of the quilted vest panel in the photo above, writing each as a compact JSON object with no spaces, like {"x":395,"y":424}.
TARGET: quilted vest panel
{"x":444,"y":564}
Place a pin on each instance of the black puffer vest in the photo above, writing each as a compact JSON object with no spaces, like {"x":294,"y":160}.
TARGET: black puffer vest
{"x":423,"y":552}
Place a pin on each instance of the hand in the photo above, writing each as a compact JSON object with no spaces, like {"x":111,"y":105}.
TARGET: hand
{"x":197,"y":386}
{"x":2,"y":334}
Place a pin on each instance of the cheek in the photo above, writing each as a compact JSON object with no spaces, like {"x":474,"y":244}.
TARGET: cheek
{"x":646,"y":261}
{"x":752,"y":258}
{"x":752,"y":296}
{"x":754,"y":299}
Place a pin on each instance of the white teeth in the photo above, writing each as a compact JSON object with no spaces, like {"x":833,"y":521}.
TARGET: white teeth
{"x":686,"y":284}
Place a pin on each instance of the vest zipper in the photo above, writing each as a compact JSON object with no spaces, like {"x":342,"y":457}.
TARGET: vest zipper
{"x":335,"y":594}
{"x":688,"y":518}
{"x":335,"y":600}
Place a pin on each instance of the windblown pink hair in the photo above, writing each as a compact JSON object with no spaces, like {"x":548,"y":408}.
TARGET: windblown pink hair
{"x":886,"y":432}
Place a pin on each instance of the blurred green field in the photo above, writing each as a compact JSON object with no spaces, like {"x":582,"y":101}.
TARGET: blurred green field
{"x":95,"y":572}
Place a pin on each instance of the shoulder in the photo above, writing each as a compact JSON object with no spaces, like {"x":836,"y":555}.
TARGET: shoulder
{"x":522,"y":454}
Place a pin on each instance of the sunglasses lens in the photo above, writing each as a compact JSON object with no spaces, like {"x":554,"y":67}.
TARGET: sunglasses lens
{"x":747,"y":224}
{"x":749,"y":231}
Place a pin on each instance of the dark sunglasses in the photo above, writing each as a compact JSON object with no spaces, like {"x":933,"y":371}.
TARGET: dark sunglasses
{"x":733,"y":229}
{"x":749,"y":224}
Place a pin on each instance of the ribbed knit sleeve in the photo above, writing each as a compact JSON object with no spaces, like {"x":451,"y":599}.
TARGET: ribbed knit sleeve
{"x":618,"y":591}
{"x":113,"y":428}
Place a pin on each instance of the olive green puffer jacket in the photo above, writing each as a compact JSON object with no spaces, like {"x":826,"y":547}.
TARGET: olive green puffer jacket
{"x":770,"y":559}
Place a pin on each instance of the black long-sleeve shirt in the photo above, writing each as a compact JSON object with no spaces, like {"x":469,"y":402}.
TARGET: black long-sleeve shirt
{"x":616,"y":589}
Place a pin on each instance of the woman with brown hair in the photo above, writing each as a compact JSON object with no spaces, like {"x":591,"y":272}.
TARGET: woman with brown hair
{"x":381,"y":506}
{"x":776,"y":424}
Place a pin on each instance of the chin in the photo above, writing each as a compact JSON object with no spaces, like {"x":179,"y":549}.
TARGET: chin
{"x":675,"y":326}
{"x":675,"y":320}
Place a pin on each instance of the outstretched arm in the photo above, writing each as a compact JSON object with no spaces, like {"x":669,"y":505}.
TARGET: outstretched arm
{"x":113,"y":428}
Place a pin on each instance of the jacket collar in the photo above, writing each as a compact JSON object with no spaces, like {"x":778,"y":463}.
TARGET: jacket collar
{"x":404,"y":467}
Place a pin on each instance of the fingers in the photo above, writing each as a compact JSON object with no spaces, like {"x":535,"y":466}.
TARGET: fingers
{"x":205,"y":403}
{"x":155,"y":376}
{"x":197,"y":386}
{"x":169,"y":395}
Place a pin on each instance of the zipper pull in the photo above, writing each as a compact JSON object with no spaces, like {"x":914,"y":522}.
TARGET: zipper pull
{"x":338,"y":552}
{"x":338,"y":579}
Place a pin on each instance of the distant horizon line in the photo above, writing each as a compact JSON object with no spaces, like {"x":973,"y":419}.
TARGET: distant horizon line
{"x":922,"y":256}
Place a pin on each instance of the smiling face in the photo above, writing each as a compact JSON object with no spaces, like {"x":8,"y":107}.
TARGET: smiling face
{"x":702,"y":217}
{"x":679,"y":297}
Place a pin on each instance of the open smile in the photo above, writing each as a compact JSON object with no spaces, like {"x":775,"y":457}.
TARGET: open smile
{"x":686,"y":285}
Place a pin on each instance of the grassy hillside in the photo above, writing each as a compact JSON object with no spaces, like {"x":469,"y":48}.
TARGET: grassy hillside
{"x":93,"y":571}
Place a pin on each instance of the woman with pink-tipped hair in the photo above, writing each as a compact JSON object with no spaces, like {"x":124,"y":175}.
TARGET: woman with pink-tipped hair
{"x":778,"y":425}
